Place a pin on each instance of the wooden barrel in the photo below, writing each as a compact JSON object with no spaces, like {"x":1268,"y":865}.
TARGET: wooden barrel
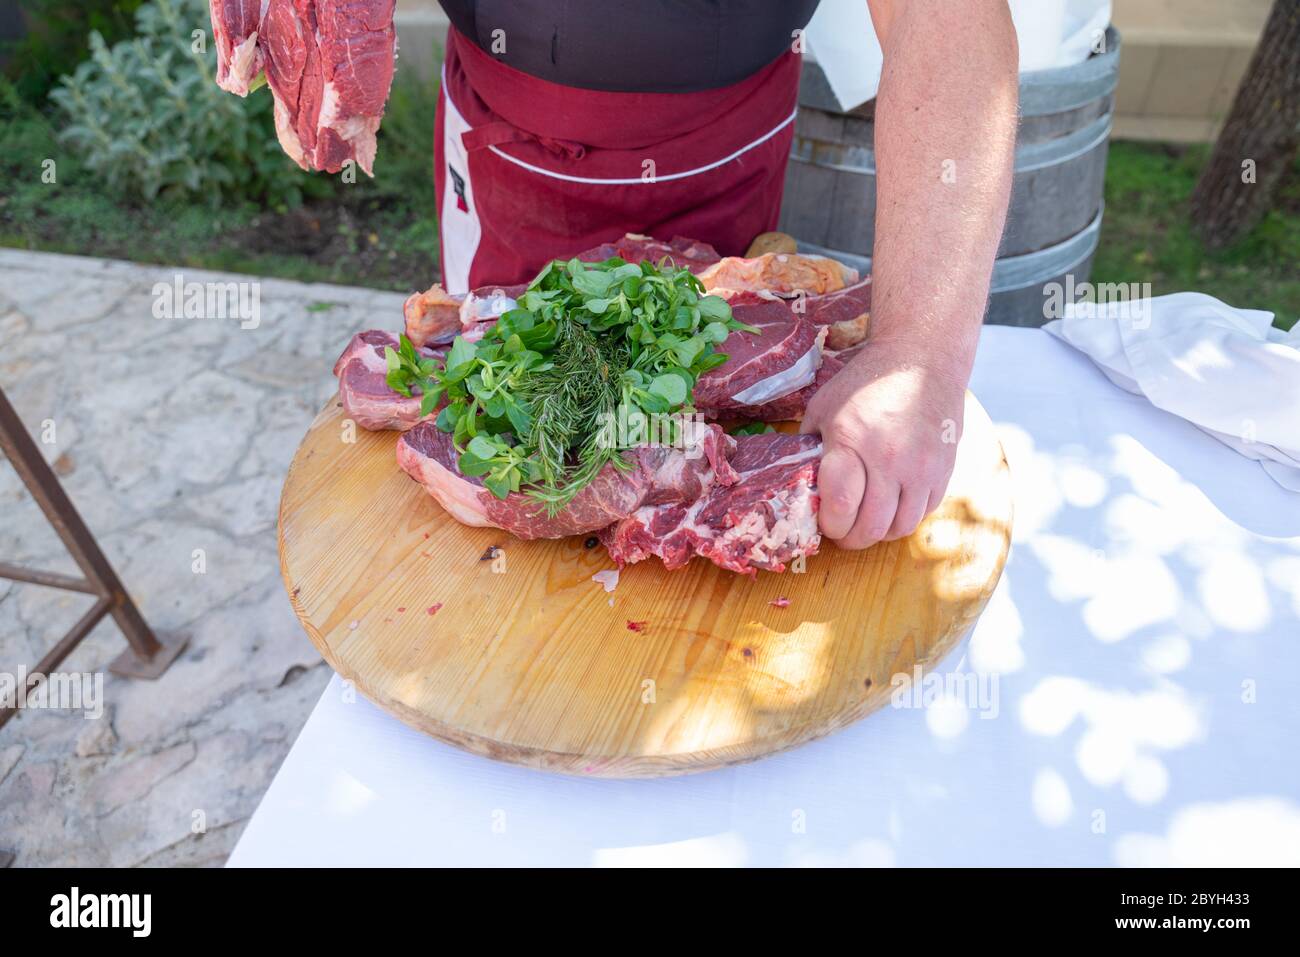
{"x":1056,"y":204}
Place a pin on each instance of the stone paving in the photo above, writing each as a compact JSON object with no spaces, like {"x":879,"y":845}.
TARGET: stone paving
{"x":172,"y":437}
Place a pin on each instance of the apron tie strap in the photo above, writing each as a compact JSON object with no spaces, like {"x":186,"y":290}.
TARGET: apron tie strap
{"x":499,"y":132}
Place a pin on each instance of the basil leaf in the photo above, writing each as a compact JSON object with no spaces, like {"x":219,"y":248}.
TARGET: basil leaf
{"x":592,"y":283}
{"x":408,"y":352}
{"x":751,"y":428}
{"x":520,"y":419}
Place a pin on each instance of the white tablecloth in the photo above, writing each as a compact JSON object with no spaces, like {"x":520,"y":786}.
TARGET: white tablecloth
{"x":1144,"y":640}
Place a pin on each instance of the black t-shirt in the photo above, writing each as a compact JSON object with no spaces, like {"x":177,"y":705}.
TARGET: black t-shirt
{"x":643,"y":46}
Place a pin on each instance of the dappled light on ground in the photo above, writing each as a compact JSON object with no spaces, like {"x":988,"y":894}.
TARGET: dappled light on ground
{"x":1244,"y":832}
{"x":716,"y":850}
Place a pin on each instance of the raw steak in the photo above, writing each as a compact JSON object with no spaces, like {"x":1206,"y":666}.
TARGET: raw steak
{"x":781,"y":358}
{"x":764,"y":520}
{"x":635,"y":248}
{"x":790,"y":408}
{"x":743,"y":503}
{"x":235,"y":25}
{"x":656,"y":476}
{"x":329,"y":64}
{"x":845,"y":312}
{"x":813,"y":285}
{"x":363,"y":387}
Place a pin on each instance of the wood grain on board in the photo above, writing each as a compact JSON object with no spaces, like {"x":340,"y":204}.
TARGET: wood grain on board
{"x":509,"y":649}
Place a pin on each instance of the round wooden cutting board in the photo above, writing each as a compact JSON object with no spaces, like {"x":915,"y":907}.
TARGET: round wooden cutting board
{"x":523,"y":658}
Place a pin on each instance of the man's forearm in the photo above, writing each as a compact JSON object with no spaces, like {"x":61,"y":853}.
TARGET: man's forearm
{"x":945,"y":137}
{"x":946,"y":119}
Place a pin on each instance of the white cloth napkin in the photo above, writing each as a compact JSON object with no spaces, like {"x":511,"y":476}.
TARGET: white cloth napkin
{"x":1228,"y":371}
{"x":1052,"y":33}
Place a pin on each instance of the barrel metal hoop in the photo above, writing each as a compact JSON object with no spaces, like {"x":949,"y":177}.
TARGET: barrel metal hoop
{"x":1009,"y":273}
{"x":1057,"y":152}
{"x":1044,"y":92}
{"x":1033,"y":269}
{"x":1029,"y":157}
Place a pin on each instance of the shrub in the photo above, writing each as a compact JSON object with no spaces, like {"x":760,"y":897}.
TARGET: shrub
{"x":147,"y":117}
{"x":57,"y":40}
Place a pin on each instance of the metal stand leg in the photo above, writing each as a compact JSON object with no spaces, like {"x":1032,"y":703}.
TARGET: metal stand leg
{"x":147,"y":656}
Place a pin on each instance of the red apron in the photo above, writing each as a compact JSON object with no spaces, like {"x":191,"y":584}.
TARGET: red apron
{"x":527,"y":170}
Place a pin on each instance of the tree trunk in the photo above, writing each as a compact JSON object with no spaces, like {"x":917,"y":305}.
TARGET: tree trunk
{"x":1258,"y":143}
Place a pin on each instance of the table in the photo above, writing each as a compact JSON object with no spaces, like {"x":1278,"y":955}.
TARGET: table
{"x":1131,"y":696}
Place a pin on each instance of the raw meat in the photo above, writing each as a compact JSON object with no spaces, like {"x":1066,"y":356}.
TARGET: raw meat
{"x":844,"y":310}
{"x":635,"y":248}
{"x":234,"y":28}
{"x":657,"y":475}
{"x":765,"y":519}
{"x":846,"y":313}
{"x":785,"y":274}
{"x":769,"y":376}
{"x":363,"y":387}
{"x":781,"y":358}
{"x":743,"y":503}
{"x":790,"y":408}
{"x":329,"y":64}
{"x":436,"y":317}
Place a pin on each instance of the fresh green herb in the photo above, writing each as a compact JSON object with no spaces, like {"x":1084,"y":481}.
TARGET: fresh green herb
{"x":532,"y":405}
{"x":751,"y":428}
{"x":408,"y":370}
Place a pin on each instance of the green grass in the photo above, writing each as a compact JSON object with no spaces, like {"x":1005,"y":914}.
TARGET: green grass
{"x":1146,"y":235}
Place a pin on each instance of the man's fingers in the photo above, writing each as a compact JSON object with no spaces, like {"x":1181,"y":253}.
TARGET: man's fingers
{"x":841,"y":481}
{"x":876,"y":516}
{"x":912,"y":504}
{"x":939,"y":491}
{"x":935,"y":498}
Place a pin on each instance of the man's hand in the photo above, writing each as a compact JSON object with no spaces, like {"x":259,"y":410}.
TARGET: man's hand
{"x":889,"y":428}
{"x":945,"y":139}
